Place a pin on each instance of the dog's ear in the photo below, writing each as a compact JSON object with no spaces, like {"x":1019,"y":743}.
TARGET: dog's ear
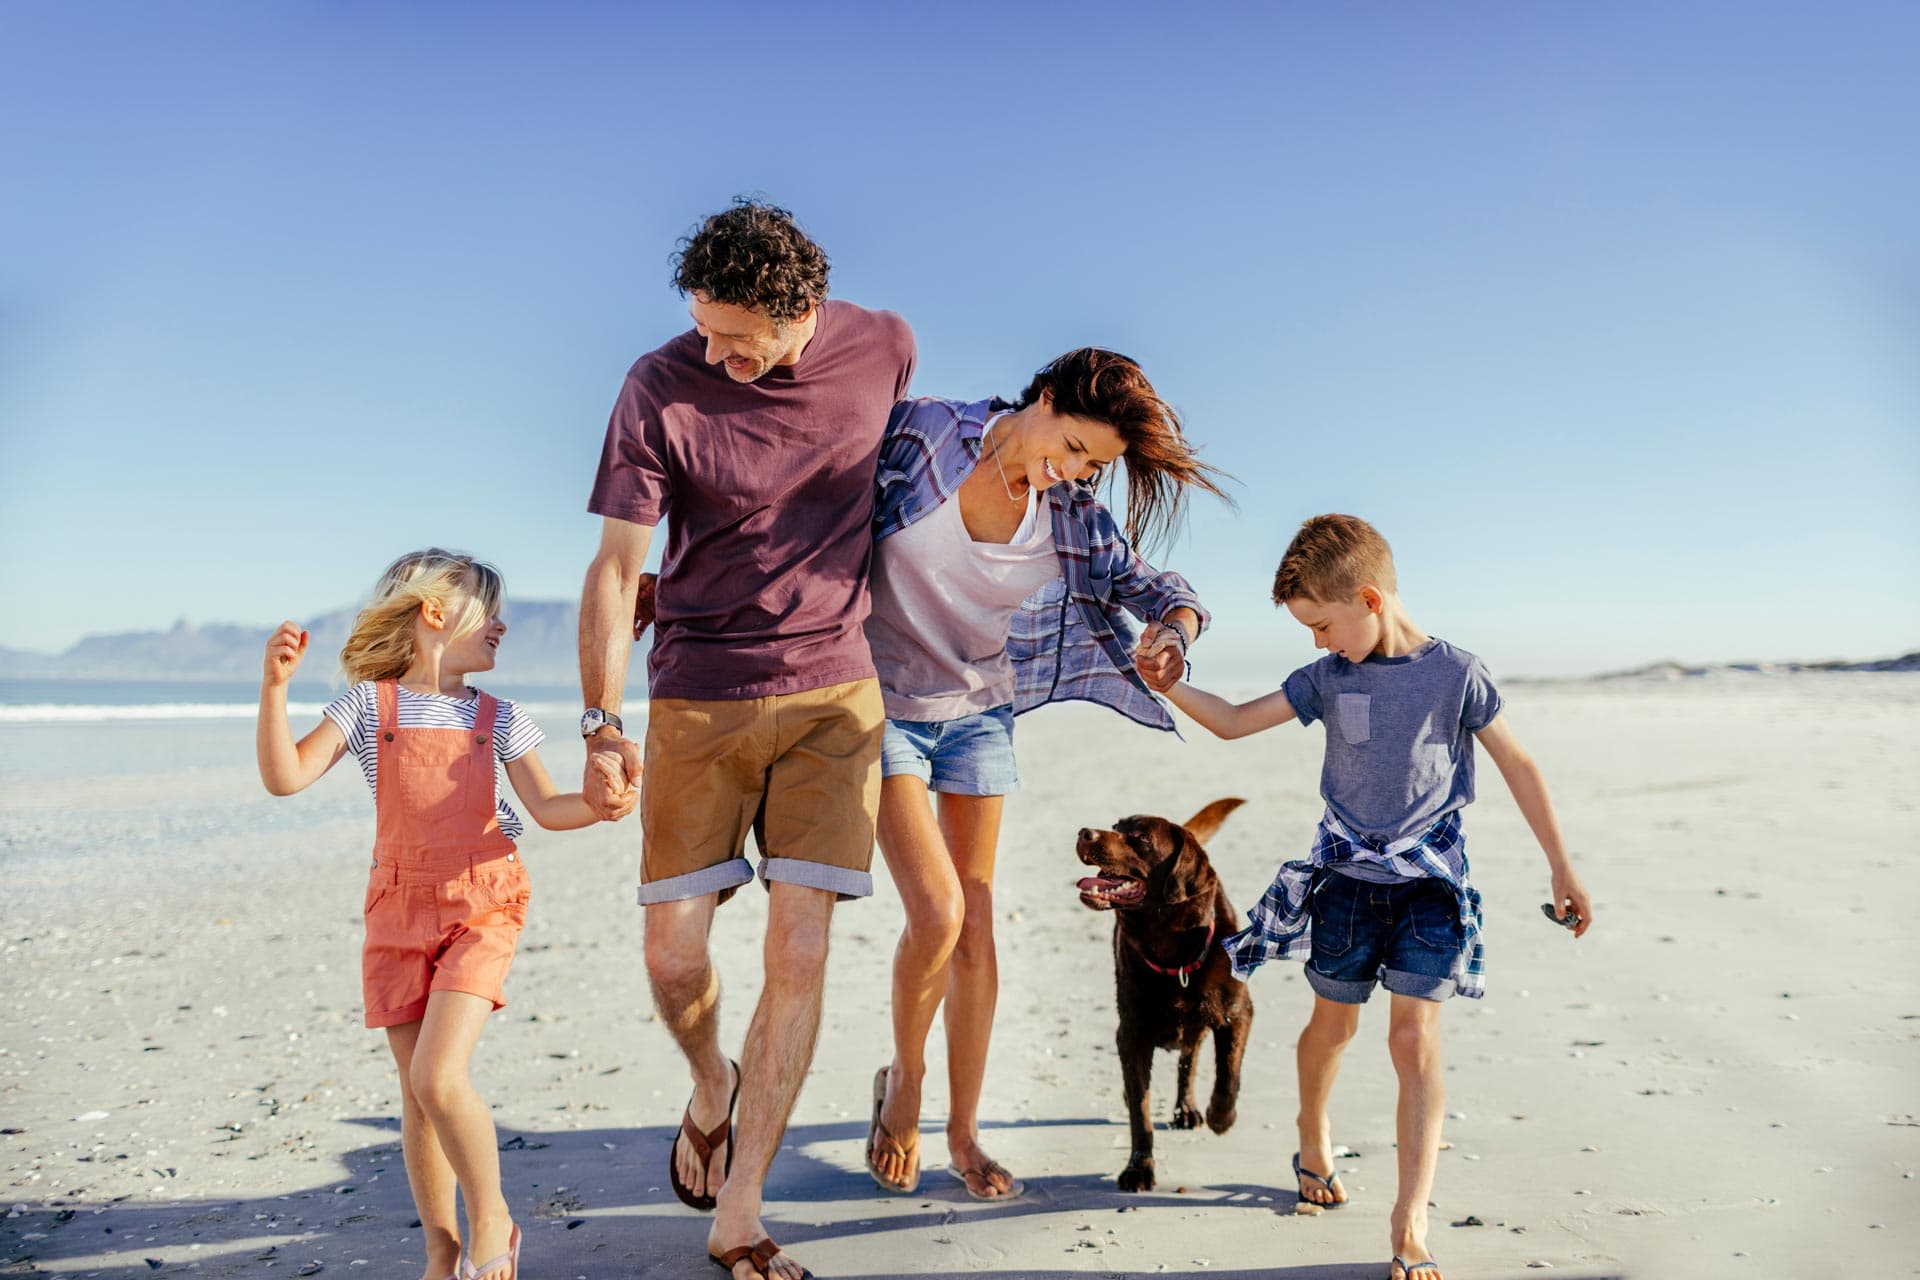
{"x":1189,"y":874}
{"x":1203,"y":824}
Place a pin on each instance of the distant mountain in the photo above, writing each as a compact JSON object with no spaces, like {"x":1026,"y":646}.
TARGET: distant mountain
{"x":1679,"y":671}
{"x":541,"y":648}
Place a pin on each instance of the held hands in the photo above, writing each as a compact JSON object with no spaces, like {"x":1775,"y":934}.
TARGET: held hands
{"x":613,"y":770}
{"x":1161,"y":656}
{"x":284,"y":650}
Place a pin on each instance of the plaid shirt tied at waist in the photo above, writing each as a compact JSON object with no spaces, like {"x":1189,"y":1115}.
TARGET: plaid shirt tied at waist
{"x":1280,"y":925}
{"x":1071,"y":639}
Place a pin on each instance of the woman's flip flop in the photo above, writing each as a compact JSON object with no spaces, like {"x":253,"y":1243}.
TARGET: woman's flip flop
{"x":1015,"y":1187}
{"x":876,"y":1133}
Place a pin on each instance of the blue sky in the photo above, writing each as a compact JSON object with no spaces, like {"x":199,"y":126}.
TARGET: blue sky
{"x":1607,"y":315}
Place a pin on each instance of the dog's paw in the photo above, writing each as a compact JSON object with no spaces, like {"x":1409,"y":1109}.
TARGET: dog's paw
{"x":1220,"y":1117}
{"x":1137,"y":1176}
{"x":1186,"y":1117}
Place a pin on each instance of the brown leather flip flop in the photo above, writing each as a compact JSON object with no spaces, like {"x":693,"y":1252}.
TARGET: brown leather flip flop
{"x":703,"y":1145}
{"x":762,"y":1254}
{"x":877,"y":1133}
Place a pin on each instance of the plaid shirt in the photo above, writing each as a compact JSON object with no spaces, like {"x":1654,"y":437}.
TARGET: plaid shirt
{"x":1280,"y":927}
{"x":1070,"y":639}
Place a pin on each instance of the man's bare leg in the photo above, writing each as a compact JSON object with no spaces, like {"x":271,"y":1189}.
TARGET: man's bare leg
{"x":686,"y":991}
{"x":778,"y":1051}
{"x":1413,"y":1037}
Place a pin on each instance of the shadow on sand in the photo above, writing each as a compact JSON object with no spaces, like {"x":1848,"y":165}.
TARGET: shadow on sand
{"x":594,"y":1205}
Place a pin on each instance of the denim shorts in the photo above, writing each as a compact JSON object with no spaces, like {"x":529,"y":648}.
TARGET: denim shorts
{"x":970,"y":756}
{"x":1404,"y":935}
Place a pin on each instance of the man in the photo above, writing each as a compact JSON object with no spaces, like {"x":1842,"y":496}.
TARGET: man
{"x":755,"y":436}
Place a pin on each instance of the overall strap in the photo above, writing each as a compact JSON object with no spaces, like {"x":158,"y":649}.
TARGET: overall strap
{"x":386,"y":697}
{"x":486,"y":720}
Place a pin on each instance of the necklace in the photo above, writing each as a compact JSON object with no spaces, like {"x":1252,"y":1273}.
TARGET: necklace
{"x":1000,"y":466}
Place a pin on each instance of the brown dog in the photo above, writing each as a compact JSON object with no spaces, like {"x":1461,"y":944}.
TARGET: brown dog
{"x":1172,"y":981}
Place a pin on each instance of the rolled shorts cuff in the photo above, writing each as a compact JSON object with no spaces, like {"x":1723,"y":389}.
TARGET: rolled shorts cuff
{"x":1339,"y":990}
{"x":1421,"y":986}
{"x":718,"y":878}
{"x":841,"y":881}
{"x":412,"y":1011}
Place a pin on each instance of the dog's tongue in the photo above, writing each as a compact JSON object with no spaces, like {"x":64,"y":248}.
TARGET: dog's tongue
{"x":1094,"y":884}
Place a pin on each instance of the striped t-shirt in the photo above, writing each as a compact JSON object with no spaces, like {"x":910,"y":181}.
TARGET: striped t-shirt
{"x":357,"y":713}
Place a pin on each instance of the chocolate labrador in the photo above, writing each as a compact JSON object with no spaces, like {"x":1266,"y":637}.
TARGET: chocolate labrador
{"x":1172,"y":980}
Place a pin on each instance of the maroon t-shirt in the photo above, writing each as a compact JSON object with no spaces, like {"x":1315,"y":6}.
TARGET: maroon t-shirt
{"x":767,"y":491}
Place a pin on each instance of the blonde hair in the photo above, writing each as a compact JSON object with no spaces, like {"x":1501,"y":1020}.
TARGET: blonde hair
{"x":1331,"y":558}
{"x":380,"y":647}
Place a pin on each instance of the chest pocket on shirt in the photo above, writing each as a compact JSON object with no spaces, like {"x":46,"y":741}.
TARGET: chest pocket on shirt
{"x":1355,"y":712}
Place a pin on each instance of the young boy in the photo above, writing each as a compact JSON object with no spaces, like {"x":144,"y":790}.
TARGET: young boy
{"x":1384,"y":896}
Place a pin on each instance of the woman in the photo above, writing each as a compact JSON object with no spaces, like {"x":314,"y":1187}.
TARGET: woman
{"x":998,"y":582}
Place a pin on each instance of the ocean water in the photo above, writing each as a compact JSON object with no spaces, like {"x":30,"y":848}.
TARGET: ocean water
{"x":94,"y":701}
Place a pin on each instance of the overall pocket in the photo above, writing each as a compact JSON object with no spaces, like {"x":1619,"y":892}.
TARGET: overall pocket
{"x":435,"y":791}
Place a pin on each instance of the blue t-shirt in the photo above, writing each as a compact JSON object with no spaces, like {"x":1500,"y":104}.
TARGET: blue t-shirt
{"x":1399,"y":734}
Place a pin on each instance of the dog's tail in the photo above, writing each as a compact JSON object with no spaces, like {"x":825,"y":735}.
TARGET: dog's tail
{"x":1203,"y":824}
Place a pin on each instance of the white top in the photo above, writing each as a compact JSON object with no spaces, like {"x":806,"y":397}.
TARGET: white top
{"x":942,"y":604}
{"x":357,"y":713}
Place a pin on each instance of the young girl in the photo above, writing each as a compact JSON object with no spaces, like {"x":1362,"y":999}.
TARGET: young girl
{"x":447,"y":895}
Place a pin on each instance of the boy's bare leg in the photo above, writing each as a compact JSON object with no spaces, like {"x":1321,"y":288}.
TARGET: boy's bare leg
{"x":1413,"y":1037}
{"x":1317,"y":1059}
{"x":428,"y":1173}
{"x":923,"y":872}
{"x":779,"y":1049}
{"x":686,"y":991}
{"x":439,"y":1072}
{"x":971,"y":825}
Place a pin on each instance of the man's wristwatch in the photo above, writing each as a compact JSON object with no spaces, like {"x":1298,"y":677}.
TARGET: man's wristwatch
{"x":593,"y":719}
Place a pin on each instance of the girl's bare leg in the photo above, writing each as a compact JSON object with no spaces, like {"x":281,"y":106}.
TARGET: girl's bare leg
{"x":428,"y":1173}
{"x":461,"y":1121}
{"x":971,"y":826}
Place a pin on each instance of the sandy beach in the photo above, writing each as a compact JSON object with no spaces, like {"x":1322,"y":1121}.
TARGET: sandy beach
{"x":1723,"y":1079}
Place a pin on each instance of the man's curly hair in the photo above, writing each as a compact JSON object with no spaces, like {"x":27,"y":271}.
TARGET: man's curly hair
{"x":753,"y":255}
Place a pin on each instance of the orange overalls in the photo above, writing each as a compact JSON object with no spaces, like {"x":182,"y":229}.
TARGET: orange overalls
{"x":447,"y":896}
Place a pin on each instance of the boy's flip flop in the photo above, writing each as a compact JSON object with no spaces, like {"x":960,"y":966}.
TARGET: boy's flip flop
{"x":877,"y":1132}
{"x":1015,"y":1187}
{"x":1408,"y":1268}
{"x":703,"y":1145}
{"x":1325,"y":1180}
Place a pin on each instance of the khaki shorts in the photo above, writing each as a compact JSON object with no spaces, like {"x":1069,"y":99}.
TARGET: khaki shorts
{"x":800,"y":770}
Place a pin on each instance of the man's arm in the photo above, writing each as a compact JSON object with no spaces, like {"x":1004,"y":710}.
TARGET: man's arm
{"x":1529,"y":788}
{"x":606,"y":643}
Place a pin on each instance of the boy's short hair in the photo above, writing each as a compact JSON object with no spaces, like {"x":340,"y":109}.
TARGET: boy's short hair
{"x":753,"y":255}
{"x":1331,"y":558}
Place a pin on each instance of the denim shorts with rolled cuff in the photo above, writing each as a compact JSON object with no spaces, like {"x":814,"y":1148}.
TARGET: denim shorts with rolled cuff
{"x":970,"y":756}
{"x":1404,"y":935}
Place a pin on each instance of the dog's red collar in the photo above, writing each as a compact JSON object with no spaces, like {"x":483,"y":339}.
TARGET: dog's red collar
{"x":1187,"y":970}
